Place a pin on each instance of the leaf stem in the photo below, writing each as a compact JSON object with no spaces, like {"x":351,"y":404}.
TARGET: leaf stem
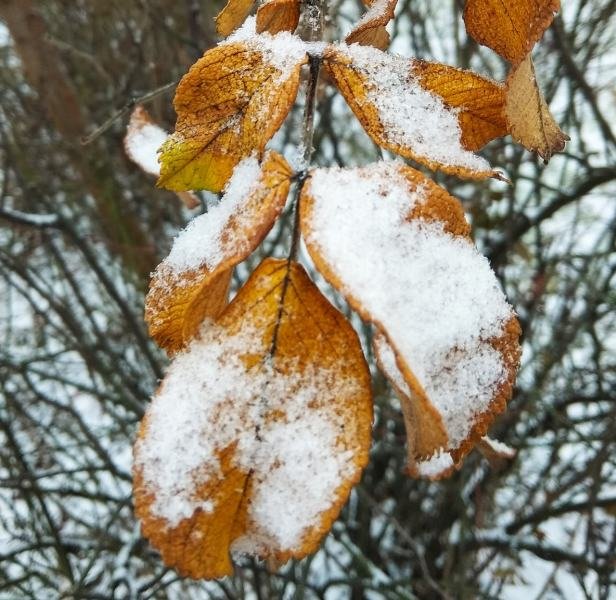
{"x":316,"y":19}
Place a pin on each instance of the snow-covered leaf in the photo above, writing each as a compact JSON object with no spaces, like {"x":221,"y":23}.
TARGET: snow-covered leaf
{"x":258,"y":431}
{"x":192,"y":282}
{"x":391,"y":97}
{"x":398,"y":248}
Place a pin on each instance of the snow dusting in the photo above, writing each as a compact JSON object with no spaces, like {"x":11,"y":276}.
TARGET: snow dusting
{"x":142,"y":142}
{"x":435,"y":467}
{"x":207,"y":239}
{"x":411,"y":115}
{"x":210,"y":400}
{"x":283,"y":51}
{"x":433,"y":293}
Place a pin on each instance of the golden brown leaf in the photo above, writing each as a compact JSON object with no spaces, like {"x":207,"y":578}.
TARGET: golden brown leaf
{"x":370,"y":30}
{"x":391,"y":98}
{"x":452,"y":376}
{"x":232,"y":16}
{"x":181,"y":298}
{"x":510,"y":28}
{"x":275,"y":16}
{"x":480,"y":101}
{"x":528,"y":115}
{"x":267,"y":416}
{"x":229,"y":105}
{"x":141,"y":142}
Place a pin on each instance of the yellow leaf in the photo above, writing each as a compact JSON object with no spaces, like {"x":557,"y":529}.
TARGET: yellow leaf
{"x":192,"y":283}
{"x":229,"y":105}
{"x":275,"y":16}
{"x":511,"y":29}
{"x":528,"y":115}
{"x":401,"y":113}
{"x":480,"y":101}
{"x":449,"y":340}
{"x":142,"y":140}
{"x":370,"y":30}
{"x":232,"y":16}
{"x":258,"y":431}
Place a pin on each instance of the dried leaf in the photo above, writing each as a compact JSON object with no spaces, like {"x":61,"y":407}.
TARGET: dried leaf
{"x":511,"y":29}
{"x":479,"y":101}
{"x":399,"y":113}
{"x":192,"y":283}
{"x":370,"y":30}
{"x":232,"y":16}
{"x":275,"y":16}
{"x":229,"y":105}
{"x":453,"y":337}
{"x":142,"y":140}
{"x":258,"y":431}
{"x":528,"y":115}
{"x":495,"y":452}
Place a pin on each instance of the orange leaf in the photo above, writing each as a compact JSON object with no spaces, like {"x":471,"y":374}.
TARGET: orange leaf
{"x":479,"y":101}
{"x":192,"y":283}
{"x":399,"y":113}
{"x":258,"y":431}
{"x":232,"y":16}
{"x":142,"y":140}
{"x":511,"y":29}
{"x":528,"y":115}
{"x":229,"y":105}
{"x":370,"y":30}
{"x":275,"y":16}
{"x":453,"y":337}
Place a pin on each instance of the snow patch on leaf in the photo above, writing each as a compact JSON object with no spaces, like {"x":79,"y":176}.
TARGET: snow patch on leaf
{"x":207,"y":399}
{"x":411,"y":116}
{"x":208,"y":238}
{"x":283,"y":50}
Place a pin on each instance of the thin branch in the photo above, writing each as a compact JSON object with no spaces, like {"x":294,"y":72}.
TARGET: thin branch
{"x":126,"y":109}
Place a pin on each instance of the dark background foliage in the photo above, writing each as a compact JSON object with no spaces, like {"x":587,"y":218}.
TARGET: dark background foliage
{"x":81,"y":228}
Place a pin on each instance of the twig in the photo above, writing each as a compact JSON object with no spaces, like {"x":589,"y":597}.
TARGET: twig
{"x":125,"y":109}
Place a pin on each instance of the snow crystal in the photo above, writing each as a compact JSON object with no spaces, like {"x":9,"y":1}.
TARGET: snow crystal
{"x":433,"y":293}
{"x":142,"y":143}
{"x":411,"y":116}
{"x":209,"y":400}
{"x":206,"y":240}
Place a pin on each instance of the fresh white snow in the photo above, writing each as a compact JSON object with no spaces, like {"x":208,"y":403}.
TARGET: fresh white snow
{"x":210,"y":400}
{"x":432,"y":292}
